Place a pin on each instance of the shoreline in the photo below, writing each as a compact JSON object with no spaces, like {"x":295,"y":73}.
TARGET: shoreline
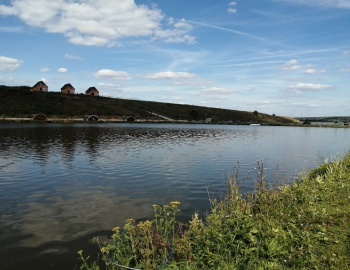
{"x":303,"y":225}
{"x":68,"y":120}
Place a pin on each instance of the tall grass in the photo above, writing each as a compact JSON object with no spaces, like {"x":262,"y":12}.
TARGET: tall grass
{"x":301,"y":226}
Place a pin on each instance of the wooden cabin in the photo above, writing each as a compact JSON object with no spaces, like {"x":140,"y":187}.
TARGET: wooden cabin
{"x":68,"y":89}
{"x":92,"y":91}
{"x":40,"y":87}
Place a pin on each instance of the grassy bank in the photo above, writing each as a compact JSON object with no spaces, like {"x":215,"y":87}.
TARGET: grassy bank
{"x":301,"y":226}
{"x":20,"y":102}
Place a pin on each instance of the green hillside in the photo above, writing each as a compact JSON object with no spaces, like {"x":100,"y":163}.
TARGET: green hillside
{"x":21,"y":102}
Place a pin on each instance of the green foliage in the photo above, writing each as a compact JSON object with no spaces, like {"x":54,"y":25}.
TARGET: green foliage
{"x":301,"y":226}
{"x":194,"y":115}
{"x":146,"y":245}
{"x":85,"y":264}
{"x":320,"y":171}
{"x":21,"y":102}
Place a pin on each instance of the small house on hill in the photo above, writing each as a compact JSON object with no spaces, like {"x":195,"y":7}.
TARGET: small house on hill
{"x":68,"y":89}
{"x":92,"y":91}
{"x":40,"y":87}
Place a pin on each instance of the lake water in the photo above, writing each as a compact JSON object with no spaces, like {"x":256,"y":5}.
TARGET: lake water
{"x":62,"y":184}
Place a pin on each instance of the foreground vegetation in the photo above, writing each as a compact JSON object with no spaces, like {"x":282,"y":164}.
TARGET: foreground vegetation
{"x":301,"y":226}
{"x":21,"y":102}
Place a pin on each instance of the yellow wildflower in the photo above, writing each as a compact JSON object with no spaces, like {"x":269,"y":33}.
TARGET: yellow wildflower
{"x":175,"y":203}
{"x":115,"y":229}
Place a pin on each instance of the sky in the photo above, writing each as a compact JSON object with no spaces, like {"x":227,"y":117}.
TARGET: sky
{"x":283,"y":57}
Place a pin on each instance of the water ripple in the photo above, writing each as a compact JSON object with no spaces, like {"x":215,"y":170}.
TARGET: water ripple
{"x":61,"y":182}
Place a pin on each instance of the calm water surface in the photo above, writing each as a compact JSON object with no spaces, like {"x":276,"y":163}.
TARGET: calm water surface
{"x":61,"y":184}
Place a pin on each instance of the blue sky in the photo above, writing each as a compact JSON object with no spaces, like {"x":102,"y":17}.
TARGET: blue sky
{"x":287,"y":57}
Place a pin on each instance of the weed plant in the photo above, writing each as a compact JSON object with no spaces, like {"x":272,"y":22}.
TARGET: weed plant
{"x":304,"y":225}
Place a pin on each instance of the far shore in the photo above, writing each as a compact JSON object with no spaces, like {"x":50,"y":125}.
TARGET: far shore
{"x":82,"y":120}
{"x":122,"y":120}
{"x":56,"y":119}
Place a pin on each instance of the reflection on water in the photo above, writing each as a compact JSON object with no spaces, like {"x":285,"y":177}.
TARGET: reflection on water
{"x":64,"y":183}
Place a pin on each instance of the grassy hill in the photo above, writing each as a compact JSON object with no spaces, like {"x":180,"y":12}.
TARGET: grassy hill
{"x":19,"y":101}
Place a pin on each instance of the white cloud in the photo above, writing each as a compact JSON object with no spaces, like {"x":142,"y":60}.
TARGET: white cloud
{"x":179,"y":99}
{"x":176,"y":34}
{"x":44,"y":69}
{"x":11,"y":29}
{"x":9,"y":64}
{"x":232,"y":10}
{"x":225,"y":29}
{"x":311,"y":71}
{"x":262,"y":104}
{"x":232,"y":7}
{"x":291,"y":65}
{"x":112,"y":74}
{"x":306,"y":87}
{"x":345,"y":70}
{"x":170,"y":75}
{"x":99,"y":22}
{"x":303,"y":105}
{"x":314,"y":71}
{"x":72,"y":57}
{"x":322,"y":3}
{"x":62,"y":70}
{"x":109,"y":85}
{"x":216,"y":91}
{"x":6,"y":10}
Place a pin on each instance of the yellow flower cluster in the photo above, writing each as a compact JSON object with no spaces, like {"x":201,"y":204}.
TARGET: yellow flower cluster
{"x":174,"y":203}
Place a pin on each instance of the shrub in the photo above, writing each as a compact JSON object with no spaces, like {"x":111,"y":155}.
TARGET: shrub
{"x":301,"y":226}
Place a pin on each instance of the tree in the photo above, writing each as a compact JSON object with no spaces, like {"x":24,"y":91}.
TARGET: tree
{"x":194,"y":115}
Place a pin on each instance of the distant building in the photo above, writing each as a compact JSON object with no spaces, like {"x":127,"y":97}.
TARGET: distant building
{"x":40,"y":87}
{"x":68,"y":89}
{"x":92,"y":91}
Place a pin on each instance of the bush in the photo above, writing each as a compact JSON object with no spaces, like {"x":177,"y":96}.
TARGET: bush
{"x":301,"y":226}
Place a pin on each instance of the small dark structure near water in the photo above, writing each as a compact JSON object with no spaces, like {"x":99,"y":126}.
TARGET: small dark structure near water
{"x":39,"y":117}
{"x":93,"y":118}
{"x":130,"y":118}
